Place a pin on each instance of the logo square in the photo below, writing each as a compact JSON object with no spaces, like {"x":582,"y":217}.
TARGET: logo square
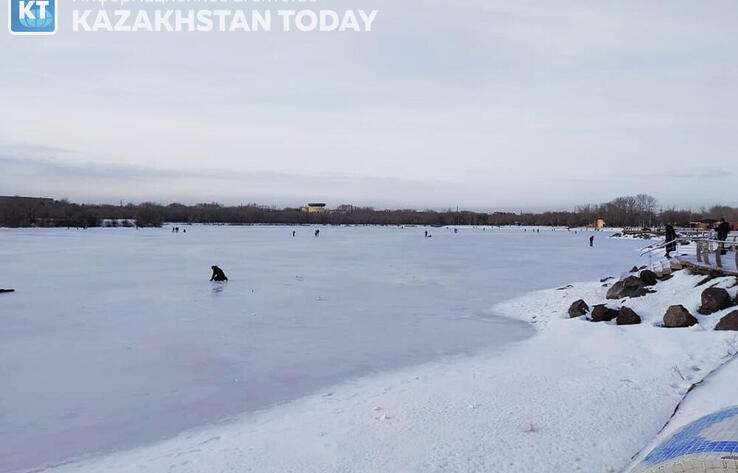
{"x":27,"y":17}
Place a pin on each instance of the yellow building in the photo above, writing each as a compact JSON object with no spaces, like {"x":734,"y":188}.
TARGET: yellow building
{"x":599,"y":223}
{"x":315,"y":207}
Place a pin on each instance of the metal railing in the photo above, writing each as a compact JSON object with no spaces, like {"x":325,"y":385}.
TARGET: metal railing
{"x":705,"y":248}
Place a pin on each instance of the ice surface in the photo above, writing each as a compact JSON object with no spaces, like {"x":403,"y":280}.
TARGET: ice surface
{"x":115,"y":337}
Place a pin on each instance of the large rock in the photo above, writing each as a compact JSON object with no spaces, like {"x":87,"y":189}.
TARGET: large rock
{"x":713,"y":300}
{"x":602,"y":313}
{"x":626,"y":316}
{"x":631,"y":286}
{"x":648,"y":277}
{"x":578,"y":308}
{"x":678,"y":316}
{"x":729,"y":322}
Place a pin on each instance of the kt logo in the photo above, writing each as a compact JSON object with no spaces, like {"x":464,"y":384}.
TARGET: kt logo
{"x":32,"y":16}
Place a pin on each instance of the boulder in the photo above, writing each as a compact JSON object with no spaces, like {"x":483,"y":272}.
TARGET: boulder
{"x":634,"y":269}
{"x":713,"y":300}
{"x":602,"y":313}
{"x":729,"y":322}
{"x":648,"y":277}
{"x":627,"y":316}
{"x":631,"y":286}
{"x":678,"y":316}
{"x":578,"y":308}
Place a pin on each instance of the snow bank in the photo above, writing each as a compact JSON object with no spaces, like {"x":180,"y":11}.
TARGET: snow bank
{"x":578,"y":396}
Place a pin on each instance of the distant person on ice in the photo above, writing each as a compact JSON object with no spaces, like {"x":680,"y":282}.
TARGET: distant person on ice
{"x":317,"y":232}
{"x":671,"y":237}
{"x":218,"y":274}
{"x":293,"y":233}
{"x":591,"y":240}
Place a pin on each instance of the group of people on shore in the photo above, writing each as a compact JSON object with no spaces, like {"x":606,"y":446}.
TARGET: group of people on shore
{"x":722,"y":230}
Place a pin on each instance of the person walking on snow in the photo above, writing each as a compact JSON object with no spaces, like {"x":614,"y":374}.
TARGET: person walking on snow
{"x":671,"y":236}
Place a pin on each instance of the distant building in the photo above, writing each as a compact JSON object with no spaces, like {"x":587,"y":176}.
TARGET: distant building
{"x":315,"y":207}
{"x":599,"y":223}
{"x":704,"y":223}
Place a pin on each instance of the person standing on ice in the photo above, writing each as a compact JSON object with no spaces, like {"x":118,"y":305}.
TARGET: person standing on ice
{"x":671,"y":236}
{"x":293,"y":233}
{"x":317,"y":232}
{"x":218,"y":274}
{"x":591,"y":240}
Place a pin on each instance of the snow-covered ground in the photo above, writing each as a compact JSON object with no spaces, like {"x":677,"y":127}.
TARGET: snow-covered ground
{"x":578,"y":396}
{"x":366,"y":349}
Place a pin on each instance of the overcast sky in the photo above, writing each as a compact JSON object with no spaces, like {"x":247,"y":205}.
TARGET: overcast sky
{"x":478,"y":103}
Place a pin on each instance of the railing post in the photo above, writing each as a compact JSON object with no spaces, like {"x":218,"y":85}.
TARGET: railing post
{"x":706,"y":252}
{"x":718,"y":255}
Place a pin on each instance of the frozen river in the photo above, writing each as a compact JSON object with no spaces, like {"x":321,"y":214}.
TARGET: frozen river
{"x":115,"y":337}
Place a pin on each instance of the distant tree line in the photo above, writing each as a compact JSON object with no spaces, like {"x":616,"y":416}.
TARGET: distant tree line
{"x":630,"y":211}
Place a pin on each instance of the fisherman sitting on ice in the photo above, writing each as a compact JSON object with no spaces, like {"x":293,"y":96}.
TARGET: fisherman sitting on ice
{"x":218,"y":274}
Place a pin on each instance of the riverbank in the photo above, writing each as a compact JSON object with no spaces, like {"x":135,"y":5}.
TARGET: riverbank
{"x":577,"y":396}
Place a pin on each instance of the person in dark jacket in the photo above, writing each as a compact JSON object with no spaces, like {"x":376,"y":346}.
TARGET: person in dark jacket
{"x":722,"y":233}
{"x":670,"y":239}
{"x":218,"y":274}
{"x":723,"y":229}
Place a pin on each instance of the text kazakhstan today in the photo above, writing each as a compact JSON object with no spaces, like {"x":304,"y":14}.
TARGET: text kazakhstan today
{"x":222,"y":20}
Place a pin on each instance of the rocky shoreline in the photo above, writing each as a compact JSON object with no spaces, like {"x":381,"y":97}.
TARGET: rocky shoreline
{"x":642,"y":282}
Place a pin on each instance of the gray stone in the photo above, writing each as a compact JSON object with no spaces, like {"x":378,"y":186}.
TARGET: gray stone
{"x":631,"y":286}
{"x":602,"y":313}
{"x":729,"y":322}
{"x":648,"y":277}
{"x":626,"y":316}
{"x":578,"y":308}
{"x":713,"y":300}
{"x":678,"y":316}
